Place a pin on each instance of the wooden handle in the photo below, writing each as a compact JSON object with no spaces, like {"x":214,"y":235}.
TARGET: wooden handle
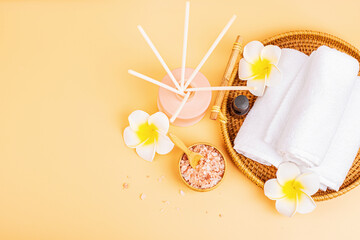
{"x":180,"y":144}
{"x":230,"y":72}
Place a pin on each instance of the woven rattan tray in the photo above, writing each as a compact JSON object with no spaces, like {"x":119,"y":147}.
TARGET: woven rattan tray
{"x":306,"y":42}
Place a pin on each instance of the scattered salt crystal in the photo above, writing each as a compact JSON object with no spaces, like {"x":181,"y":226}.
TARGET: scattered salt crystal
{"x":182,"y":193}
{"x":162,"y":209}
{"x":125,"y":185}
{"x":142,"y":196}
{"x":161,"y":178}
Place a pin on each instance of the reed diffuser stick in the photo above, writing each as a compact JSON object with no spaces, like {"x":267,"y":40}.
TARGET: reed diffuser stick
{"x":160,"y":84}
{"x":224,"y":88}
{"x":157,"y":54}
{"x":183,"y":102}
{"x":186,"y":30}
{"x":229,"y":74}
{"x":213,"y":46}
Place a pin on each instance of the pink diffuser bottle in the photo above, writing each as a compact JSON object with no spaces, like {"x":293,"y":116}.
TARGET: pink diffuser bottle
{"x":195,"y":107}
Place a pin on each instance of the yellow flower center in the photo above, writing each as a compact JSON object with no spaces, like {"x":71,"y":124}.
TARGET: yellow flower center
{"x":292,"y":188}
{"x":147,"y":133}
{"x":261,"y":68}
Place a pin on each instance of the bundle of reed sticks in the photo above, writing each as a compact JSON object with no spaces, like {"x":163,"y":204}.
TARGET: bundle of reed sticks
{"x":181,"y":85}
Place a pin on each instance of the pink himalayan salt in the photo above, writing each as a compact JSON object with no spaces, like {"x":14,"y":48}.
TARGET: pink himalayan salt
{"x":208,"y":172}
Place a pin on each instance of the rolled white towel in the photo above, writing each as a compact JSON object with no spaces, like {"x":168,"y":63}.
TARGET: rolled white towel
{"x":344,"y":145}
{"x":319,"y":104}
{"x":280,"y":117}
{"x":249,"y":140}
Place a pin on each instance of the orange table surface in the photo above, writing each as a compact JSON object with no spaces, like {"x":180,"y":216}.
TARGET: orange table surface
{"x":65,"y":95}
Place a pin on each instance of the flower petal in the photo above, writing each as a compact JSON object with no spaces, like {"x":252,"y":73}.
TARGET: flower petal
{"x":259,"y":87}
{"x":160,"y":120}
{"x":131,"y":138}
{"x":286,"y":206}
{"x":164,"y":144}
{"x":146,"y":151}
{"x":310,"y":183}
{"x":245,"y":72}
{"x":287,"y":171}
{"x":271,"y":53}
{"x":137,"y":118}
{"x":273,"y":190}
{"x":274,"y":77}
{"x":305,"y":204}
{"x":252,"y":51}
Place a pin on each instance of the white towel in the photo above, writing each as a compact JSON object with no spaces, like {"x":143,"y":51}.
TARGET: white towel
{"x":320,"y":102}
{"x":344,"y":145}
{"x":249,"y":140}
{"x":278,"y":122}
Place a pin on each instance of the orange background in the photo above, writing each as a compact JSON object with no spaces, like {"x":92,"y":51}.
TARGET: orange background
{"x":64,"y":100}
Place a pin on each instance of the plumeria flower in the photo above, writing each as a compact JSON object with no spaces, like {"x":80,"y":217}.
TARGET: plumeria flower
{"x":148,"y":134}
{"x":259,"y":66}
{"x":292,"y":190}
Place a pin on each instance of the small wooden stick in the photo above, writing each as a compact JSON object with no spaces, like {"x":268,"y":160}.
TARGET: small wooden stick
{"x":183,"y":102}
{"x":157,"y":54}
{"x":229,"y":74}
{"x":160,"y":84}
{"x":186,"y":30}
{"x":213,"y":46}
{"x":224,"y":88}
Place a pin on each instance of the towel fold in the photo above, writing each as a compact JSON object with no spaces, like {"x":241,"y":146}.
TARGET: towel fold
{"x":249,"y":140}
{"x":280,"y":118}
{"x":344,"y":145}
{"x":318,"y":106}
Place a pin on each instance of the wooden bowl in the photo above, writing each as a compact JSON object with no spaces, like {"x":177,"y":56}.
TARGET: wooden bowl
{"x":203,"y":189}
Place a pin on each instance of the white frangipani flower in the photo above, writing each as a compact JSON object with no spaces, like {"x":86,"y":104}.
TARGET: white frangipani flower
{"x":259,"y":66}
{"x":292,"y":190}
{"x":148,"y":134}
